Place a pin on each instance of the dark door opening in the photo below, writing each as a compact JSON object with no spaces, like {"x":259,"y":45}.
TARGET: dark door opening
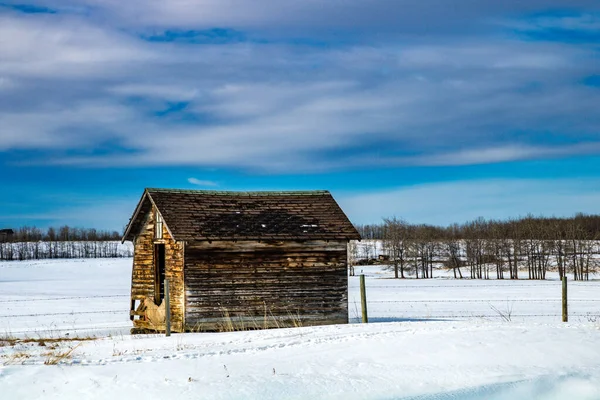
{"x":159,"y":273}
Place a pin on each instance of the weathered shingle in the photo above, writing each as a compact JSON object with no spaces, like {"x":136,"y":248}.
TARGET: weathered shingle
{"x":215,"y":215}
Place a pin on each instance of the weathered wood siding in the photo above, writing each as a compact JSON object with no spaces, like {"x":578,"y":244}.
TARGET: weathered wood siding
{"x":249,"y":285}
{"x":142,"y":284}
{"x":142,"y":280}
{"x":174,"y":273}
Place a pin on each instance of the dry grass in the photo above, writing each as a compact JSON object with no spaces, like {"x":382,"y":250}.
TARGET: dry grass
{"x":295,"y":319}
{"x":198,"y":327}
{"x":241,"y":323}
{"x":16,"y":358}
{"x":7,"y":342}
{"x":57,"y":357}
{"x":252,"y":322}
{"x":227,"y":325}
{"x":22,"y":350}
{"x":8,"y":339}
{"x":50,"y":341}
{"x":232,"y":323}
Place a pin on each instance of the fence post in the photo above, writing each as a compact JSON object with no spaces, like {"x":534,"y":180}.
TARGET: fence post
{"x":565,"y":311}
{"x":167,"y":309}
{"x":363,"y":299}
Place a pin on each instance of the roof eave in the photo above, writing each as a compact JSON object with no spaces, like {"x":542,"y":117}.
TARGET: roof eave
{"x":134,"y":217}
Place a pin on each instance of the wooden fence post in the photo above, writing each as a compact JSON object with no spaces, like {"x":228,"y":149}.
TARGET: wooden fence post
{"x":167,"y":309}
{"x":363,"y":299}
{"x":565,"y":311}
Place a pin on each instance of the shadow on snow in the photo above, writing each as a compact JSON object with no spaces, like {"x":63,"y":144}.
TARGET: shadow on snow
{"x":572,"y":387}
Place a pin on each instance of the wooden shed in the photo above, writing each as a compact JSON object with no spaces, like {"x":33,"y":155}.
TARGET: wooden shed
{"x":239,"y":260}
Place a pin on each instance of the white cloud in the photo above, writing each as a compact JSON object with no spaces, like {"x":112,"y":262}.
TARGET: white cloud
{"x":304,"y":16}
{"x":77,"y":84}
{"x":199,"y":182}
{"x":65,"y":46}
{"x":501,"y":154}
{"x":55,"y":126}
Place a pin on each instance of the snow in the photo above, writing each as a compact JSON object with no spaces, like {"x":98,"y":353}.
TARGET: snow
{"x":413,"y":356}
{"x":446,"y":298}
{"x":39,"y":290}
{"x":376,"y":361}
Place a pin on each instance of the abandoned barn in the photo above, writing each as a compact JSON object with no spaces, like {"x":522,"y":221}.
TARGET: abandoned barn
{"x":239,"y":260}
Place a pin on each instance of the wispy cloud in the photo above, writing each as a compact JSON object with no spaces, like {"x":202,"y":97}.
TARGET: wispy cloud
{"x":71,"y":83}
{"x":559,"y":26}
{"x":28,"y":9}
{"x":200,"y":182}
{"x":371,"y":16}
{"x":573,"y":21}
{"x":503,"y":154}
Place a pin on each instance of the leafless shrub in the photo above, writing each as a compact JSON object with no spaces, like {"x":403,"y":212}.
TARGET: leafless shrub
{"x":506,"y":313}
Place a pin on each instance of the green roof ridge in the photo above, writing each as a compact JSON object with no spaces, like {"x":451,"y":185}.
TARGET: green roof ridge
{"x":242,"y":193}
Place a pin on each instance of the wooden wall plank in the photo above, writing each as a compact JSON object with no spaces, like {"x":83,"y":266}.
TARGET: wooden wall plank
{"x":255,"y":285}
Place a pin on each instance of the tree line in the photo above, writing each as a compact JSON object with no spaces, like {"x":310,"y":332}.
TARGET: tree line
{"x":484,"y":248}
{"x":32,"y":243}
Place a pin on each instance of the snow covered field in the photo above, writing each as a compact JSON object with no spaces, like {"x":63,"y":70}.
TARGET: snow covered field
{"x":432,"y":339}
{"x":377,"y":361}
{"x":446,"y":298}
{"x":55,"y":297}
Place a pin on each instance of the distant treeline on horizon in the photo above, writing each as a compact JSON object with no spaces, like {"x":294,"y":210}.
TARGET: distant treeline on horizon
{"x":580,"y":226}
{"x":62,"y":234}
{"x":585,"y":226}
{"x":537,"y":244}
{"x":31,"y":243}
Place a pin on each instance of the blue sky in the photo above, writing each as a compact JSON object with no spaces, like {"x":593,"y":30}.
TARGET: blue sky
{"x":429,"y":110}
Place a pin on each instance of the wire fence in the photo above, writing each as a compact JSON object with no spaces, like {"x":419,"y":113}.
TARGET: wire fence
{"x":511,"y":284}
{"x":98,"y":315}
{"x":66,"y":313}
{"x":487,"y":301}
{"x":386,"y":303}
{"x":485,"y":316}
{"x":63,"y":298}
{"x":389,"y":300}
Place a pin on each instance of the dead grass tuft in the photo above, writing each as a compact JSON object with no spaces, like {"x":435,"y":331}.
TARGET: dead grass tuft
{"x":56,"y":357}
{"x":16,"y":358}
{"x":227,"y":322}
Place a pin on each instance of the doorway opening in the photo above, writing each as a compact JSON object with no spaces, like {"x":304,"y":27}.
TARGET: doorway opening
{"x":159,"y":273}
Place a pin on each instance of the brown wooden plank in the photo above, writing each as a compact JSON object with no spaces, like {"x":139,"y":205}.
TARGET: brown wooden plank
{"x":247,"y":280}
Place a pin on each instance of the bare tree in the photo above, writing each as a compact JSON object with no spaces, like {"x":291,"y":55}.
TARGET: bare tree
{"x":352,"y":255}
{"x":395,"y":242}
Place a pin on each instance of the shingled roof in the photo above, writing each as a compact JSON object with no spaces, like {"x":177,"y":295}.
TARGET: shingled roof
{"x":196,"y":215}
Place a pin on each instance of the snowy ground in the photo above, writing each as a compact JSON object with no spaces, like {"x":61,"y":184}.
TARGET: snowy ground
{"x":55,"y":297}
{"x":446,"y":298}
{"x":471,"y":353}
{"x":433,"y":360}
